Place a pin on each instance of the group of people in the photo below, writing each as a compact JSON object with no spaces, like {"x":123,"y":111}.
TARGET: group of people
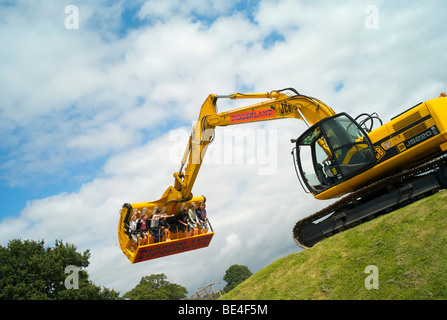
{"x":194,"y":220}
{"x":190,"y":221}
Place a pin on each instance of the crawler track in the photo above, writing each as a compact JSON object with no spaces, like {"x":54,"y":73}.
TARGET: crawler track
{"x":369,"y":202}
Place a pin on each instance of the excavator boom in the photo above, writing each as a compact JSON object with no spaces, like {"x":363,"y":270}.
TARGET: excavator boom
{"x":276,"y":105}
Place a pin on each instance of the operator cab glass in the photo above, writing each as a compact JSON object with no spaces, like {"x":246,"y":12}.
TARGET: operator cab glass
{"x":331,"y":151}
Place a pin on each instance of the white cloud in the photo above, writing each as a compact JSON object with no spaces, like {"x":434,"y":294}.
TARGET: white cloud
{"x":72,"y":96}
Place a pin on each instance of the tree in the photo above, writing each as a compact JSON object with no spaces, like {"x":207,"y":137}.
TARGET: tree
{"x":156,"y":287}
{"x":235,"y":275}
{"x":28,"y":270}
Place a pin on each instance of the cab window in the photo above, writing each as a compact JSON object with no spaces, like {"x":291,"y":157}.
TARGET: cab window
{"x":333,"y":151}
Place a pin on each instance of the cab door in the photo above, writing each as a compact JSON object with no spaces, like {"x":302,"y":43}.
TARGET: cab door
{"x":332,"y":151}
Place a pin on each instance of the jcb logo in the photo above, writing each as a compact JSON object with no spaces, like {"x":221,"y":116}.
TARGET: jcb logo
{"x":379,"y":152}
{"x":285,"y":108}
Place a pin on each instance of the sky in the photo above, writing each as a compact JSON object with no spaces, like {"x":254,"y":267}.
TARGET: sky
{"x":98,"y":99}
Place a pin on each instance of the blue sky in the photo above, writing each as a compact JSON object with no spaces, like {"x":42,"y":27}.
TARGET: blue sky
{"x":96,"y":117}
{"x":19,"y":184}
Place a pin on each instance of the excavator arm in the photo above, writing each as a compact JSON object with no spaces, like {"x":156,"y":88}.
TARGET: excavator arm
{"x":277,"y":106}
{"x":141,"y":246}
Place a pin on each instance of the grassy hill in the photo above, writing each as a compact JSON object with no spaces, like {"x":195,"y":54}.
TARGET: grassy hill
{"x":408,"y":247}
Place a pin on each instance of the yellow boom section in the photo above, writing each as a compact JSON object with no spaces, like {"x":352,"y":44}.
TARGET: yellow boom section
{"x":277,"y":106}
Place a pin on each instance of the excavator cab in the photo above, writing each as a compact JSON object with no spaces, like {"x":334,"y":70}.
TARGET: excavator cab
{"x":332,"y":151}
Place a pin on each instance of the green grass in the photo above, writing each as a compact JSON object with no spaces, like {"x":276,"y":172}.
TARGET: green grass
{"x":408,"y":247}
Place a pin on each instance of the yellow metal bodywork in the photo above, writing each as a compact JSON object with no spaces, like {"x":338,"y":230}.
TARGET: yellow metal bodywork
{"x":391,"y":143}
{"x":278,"y":106}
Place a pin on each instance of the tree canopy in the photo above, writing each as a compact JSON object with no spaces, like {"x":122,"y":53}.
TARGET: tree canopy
{"x":235,"y":275}
{"x":156,"y":287}
{"x":29,"y":270}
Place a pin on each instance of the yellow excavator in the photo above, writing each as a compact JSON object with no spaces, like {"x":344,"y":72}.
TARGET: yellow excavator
{"x":372,"y":171}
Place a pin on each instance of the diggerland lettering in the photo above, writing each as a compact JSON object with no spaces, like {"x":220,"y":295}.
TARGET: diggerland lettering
{"x":252,"y":115}
{"x":171,"y":248}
